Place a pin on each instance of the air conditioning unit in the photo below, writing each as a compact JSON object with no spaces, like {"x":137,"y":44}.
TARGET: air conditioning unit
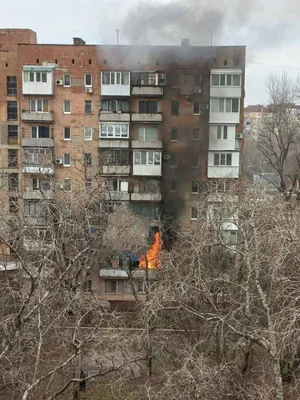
{"x":88,"y":90}
{"x":162,"y":79}
{"x":58,"y":161}
{"x":59,"y":82}
{"x":205,"y":106}
{"x":197,"y":90}
{"x":60,"y":186}
{"x":166,"y":157}
{"x":238,"y":135}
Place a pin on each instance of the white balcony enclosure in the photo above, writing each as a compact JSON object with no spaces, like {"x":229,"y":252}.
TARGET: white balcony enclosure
{"x":222,"y":137}
{"x":146,"y":170}
{"x":111,"y":273}
{"x":106,"y":116}
{"x":147,"y":144}
{"x":226,"y":82}
{"x":147,"y":91}
{"x":223,"y":171}
{"x":224,"y":117}
{"x":146,"y":196}
{"x":147,"y":163}
{"x":33,"y":116}
{"x":144,"y":117}
{"x":37,"y":80}
{"x":115,"y":83}
{"x":116,"y":169}
{"x":118,"y":144}
{"x":38,"y":169}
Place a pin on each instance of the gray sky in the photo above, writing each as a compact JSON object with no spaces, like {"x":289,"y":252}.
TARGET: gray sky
{"x":269,"y":28}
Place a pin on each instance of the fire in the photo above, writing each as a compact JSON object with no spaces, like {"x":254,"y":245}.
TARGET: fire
{"x":151,"y":259}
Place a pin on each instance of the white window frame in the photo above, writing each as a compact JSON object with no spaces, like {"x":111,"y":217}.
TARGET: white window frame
{"x":27,"y":75}
{"x":226,"y":80}
{"x":199,"y":112}
{"x":64,"y":107}
{"x":37,"y":132}
{"x":111,"y":131}
{"x":116,"y":78}
{"x":64,"y":82}
{"x":191,"y":217}
{"x":143,"y":133}
{"x":120,"y":182}
{"x":85,"y":84}
{"x":222,"y":132}
{"x":152,"y":157}
{"x":119,"y":286}
{"x":194,"y":183}
{"x":36,"y":103}
{"x":223,"y":104}
{"x":64,"y":131}
{"x":223,"y":156}
{"x":90,"y":136}
{"x":91,"y":102}
{"x":65,"y":164}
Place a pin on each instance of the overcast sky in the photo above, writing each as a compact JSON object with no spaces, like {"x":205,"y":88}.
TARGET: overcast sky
{"x":269,"y":28}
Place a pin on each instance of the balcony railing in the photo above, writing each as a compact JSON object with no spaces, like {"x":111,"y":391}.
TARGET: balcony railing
{"x":147,"y":144}
{"x":145,"y":117}
{"x":146,"y":196}
{"x":107,"y":116}
{"x":33,"y":116}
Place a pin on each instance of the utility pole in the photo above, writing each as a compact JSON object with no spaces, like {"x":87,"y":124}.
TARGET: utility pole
{"x":117,"y":36}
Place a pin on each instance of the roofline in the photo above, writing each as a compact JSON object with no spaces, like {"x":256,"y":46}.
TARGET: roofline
{"x":131,"y":45}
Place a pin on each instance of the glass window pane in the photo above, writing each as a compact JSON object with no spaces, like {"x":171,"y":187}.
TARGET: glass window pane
{"x":141,"y":133}
{"x":143,"y":157}
{"x":38,"y":77}
{"x":26,"y":76}
{"x":219,"y":132}
{"x":112,"y":78}
{"x":125,"y":78}
{"x":221,"y":105}
{"x":31,"y":76}
{"x":235,"y":105}
{"x":44,"y":77}
{"x":32,"y":105}
{"x":228,"y":159}
{"x":225,"y":132}
{"x":236,"y":80}
{"x":157,"y":158}
{"x":228,"y":105}
{"x":222,"y":80}
{"x":223,"y":158}
{"x":229,"y":80}
{"x":214,"y":105}
{"x":215,"y":80}
{"x":105,"y":78}
{"x":137,"y":157}
{"x":216,"y":159}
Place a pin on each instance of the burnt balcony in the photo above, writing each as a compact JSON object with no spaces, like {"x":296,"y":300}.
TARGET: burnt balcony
{"x":37,"y":160}
{"x":146,"y":196}
{"x":148,"y":83}
{"x":146,"y":117}
{"x":147,"y":144}
{"x":36,"y":116}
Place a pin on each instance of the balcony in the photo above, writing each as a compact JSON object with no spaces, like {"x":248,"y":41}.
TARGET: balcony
{"x":116,"y":169}
{"x":223,"y":171}
{"x":28,"y":142}
{"x":38,"y":169}
{"x":146,"y":170}
{"x":37,"y":80}
{"x":147,"y":144}
{"x":111,"y":273}
{"x":147,"y":91}
{"x":108,"y":143}
{"x":221,"y":91}
{"x":145,"y":117}
{"x":32,"y":116}
{"x":117,"y":196}
{"x":224,"y":117}
{"x":30,"y":194}
{"x":107,"y":116}
{"x":146,"y":196}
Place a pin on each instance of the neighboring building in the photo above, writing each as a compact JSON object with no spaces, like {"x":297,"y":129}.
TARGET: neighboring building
{"x":253,"y":115}
{"x":154,"y":122}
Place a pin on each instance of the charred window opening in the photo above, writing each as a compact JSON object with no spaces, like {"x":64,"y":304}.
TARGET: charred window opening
{"x":175,"y":107}
{"x":148,"y":107}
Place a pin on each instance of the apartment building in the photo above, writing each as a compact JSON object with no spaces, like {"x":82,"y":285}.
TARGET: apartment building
{"x":152,"y":123}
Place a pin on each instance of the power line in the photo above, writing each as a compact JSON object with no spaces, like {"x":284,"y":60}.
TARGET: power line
{"x":274,"y":65}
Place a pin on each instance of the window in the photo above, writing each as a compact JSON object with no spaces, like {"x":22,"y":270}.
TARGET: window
{"x":114,"y":286}
{"x":13,"y":181}
{"x":194,"y":213}
{"x":117,"y":185}
{"x":12,"y":158}
{"x":222,"y":132}
{"x":40,"y":184}
{"x":114,"y":131}
{"x":67,"y":107}
{"x":173,"y":186}
{"x":37,"y":156}
{"x":148,"y":107}
{"x":88,"y":106}
{"x":148,"y":186}
{"x":115,"y":78}
{"x":13,"y":134}
{"x":195,"y":187}
{"x":40,"y":132}
{"x":12,"y":110}
{"x":34,"y":76}
{"x":115,"y":105}
{"x":147,"y":157}
{"x":195,"y":134}
{"x":114,"y":157}
{"x":222,"y":159}
{"x":174,"y":134}
{"x":195,"y":161}
{"x":175,"y":107}
{"x":11,"y":83}
{"x":67,"y":185}
{"x":197,"y":80}
{"x":226,"y":80}
{"x":67,"y":80}
{"x":67,"y":159}
{"x":196,"y":108}
{"x":225,"y":105}
{"x":88,"y":185}
{"x":88,"y":133}
{"x":148,"y":133}
{"x":39,"y":105}
{"x":87,"y":159}
{"x":13,"y":205}
{"x":67,"y":133}
{"x":174,"y":160}
{"x":44,"y":77}
{"x":88,"y":80}
{"x":32,"y":207}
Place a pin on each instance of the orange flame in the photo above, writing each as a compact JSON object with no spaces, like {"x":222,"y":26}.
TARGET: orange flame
{"x":151,"y":259}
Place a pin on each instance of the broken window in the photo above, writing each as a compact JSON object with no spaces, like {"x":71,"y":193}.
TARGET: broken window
{"x":173,"y":186}
{"x":11,"y":82}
